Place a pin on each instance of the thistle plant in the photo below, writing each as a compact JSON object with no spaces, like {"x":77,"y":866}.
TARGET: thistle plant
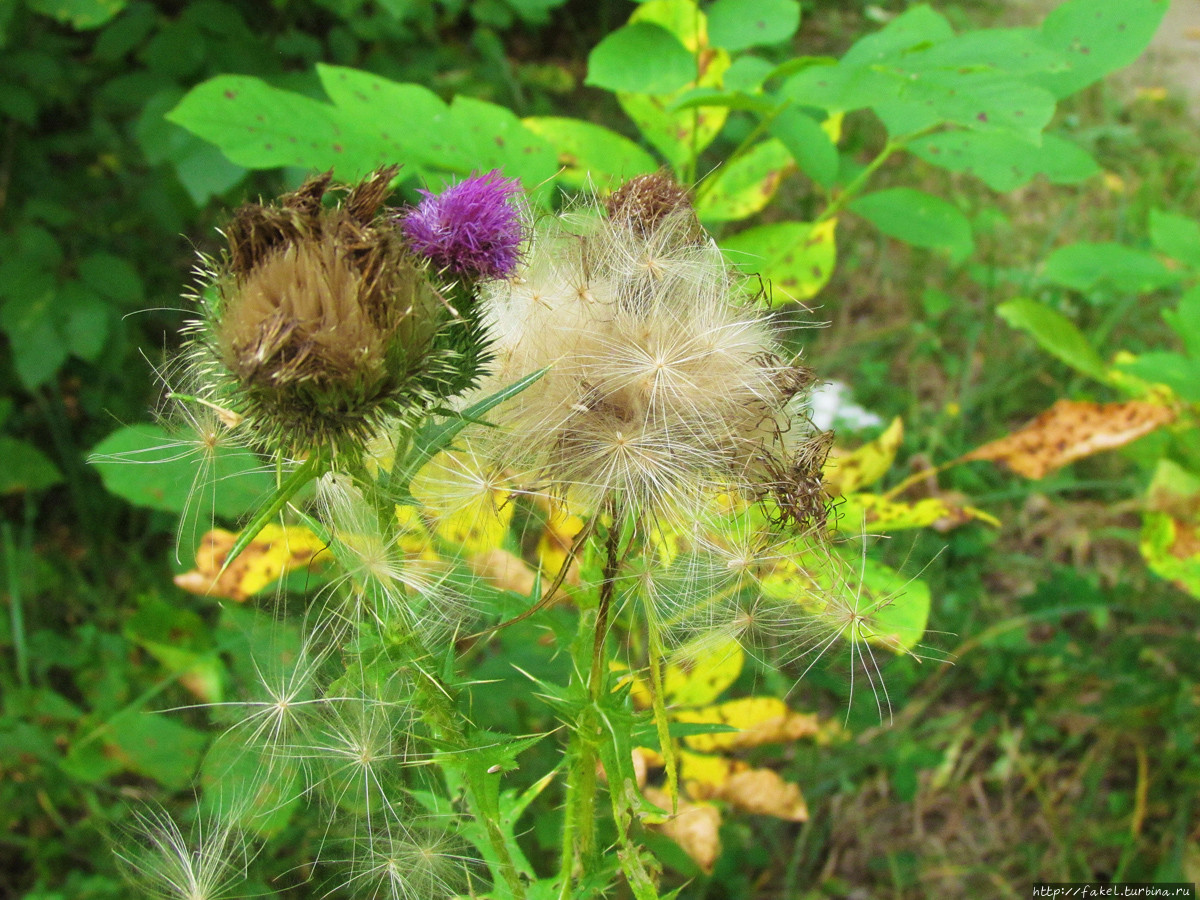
{"x":431,"y":376}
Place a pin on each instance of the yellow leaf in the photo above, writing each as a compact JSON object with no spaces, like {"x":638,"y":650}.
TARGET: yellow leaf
{"x":762,"y":720}
{"x":1070,"y":430}
{"x":832,"y":126}
{"x":877,"y":514}
{"x":847,"y":473}
{"x":467,"y":500}
{"x":414,"y":539}
{"x":699,"y":678}
{"x":704,"y":776}
{"x":276,"y":551}
{"x":558,"y":537}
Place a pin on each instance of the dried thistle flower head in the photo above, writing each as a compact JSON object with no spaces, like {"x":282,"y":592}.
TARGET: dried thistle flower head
{"x":664,"y":386}
{"x":471,"y":229}
{"x":324,"y":324}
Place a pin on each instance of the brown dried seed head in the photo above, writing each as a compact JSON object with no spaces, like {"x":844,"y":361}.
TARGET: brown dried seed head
{"x":644,"y":202}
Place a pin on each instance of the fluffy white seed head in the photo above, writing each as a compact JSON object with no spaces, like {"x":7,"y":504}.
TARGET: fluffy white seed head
{"x":663,"y":386}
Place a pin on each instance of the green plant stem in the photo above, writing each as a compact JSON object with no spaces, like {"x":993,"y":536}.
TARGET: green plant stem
{"x":744,"y":147}
{"x":436,"y":703}
{"x":854,"y":188}
{"x":16,"y":610}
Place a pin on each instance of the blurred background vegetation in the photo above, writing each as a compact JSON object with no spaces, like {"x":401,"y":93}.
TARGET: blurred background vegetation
{"x":1060,"y":745}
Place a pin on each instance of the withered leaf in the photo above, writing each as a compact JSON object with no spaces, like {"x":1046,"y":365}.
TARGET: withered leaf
{"x":695,"y":828}
{"x":1070,"y":430}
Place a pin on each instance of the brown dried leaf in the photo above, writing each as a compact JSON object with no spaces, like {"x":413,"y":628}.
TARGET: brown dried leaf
{"x":1070,"y":430}
{"x":762,"y":791}
{"x":695,"y":828}
{"x":505,"y":571}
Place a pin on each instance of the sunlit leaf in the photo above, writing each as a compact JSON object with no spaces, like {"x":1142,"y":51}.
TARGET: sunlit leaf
{"x":796,"y":258}
{"x":1170,"y":541}
{"x":275,"y":551}
{"x":745,"y":186}
{"x":1055,"y":333}
{"x":759,"y":720}
{"x":1071,"y":430}
{"x":590,"y":152}
{"x":847,"y":473}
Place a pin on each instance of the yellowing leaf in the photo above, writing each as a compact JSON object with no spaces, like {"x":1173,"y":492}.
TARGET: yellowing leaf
{"x":558,"y":537}
{"x":505,"y":571}
{"x":1070,"y":430}
{"x":680,"y":17}
{"x":847,"y":473}
{"x":467,"y":500}
{"x":675,"y":134}
{"x":832,"y":126}
{"x":1170,"y":541}
{"x":762,"y":720}
{"x":762,"y":791}
{"x":696,"y":828}
{"x":797,"y":258}
{"x":704,"y":776}
{"x":698,"y":679}
{"x":746,"y":185}
{"x":414,"y":539}
{"x":274,"y":552}
{"x":878,"y":514}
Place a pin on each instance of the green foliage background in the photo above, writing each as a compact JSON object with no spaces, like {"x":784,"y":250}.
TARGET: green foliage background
{"x":1062,"y":743}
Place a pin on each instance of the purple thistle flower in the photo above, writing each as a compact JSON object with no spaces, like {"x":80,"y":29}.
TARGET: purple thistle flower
{"x":471,"y":228}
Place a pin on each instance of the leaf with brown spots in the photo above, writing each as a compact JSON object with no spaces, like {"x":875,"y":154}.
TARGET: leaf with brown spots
{"x":696,"y":828}
{"x":1070,"y":430}
{"x":273,"y":553}
{"x":1170,"y":541}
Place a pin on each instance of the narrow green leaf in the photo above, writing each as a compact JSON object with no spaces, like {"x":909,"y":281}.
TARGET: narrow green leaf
{"x":437,"y":435}
{"x":1185,"y":320}
{"x":809,"y":144}
{"x":1055,"y":333}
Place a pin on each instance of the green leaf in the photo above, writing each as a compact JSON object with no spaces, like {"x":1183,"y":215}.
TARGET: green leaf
{"x":112,"y":277}
{"x":1096,"y":37}
{"x":1177,"y":236}
{"x":745,"y":186}
{"x":25,"y":467}
{"x":1179,"y":373}
{"x":589,"y":151}
{"x":917,"y":26}
{"x":1085,"y":266}
{"x":797,"y":258}
{"x":437,"y":435}
{"x":206,"y":172}
{"x":148,"y":467}
{"x":262,"y":127}
{"x":641,"y":57}
{"x":1171,"y":526}
{"x":87,"y":318}
{"x":1055,"y":333}
{"x":676,"y":135}
{"x":1005,"y":162}
{"x":739,"y":24}
{"x":809,"y":144}
{"x":36,"y":342}
{"x":1185,"y":320}
{"x":156,"y":746}
{"x":79,"y":14}
{"x":747,"y":73}
{"x":920,"y":219}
